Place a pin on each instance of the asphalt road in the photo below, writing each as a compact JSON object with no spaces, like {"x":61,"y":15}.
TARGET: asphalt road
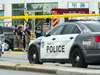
{"x":15,"y":57}
{"x":21,"y":57}
{"x":12,"y":72}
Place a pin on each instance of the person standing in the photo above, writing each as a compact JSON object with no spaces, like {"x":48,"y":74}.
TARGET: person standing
{"x":16,"y":38}
{"x":20,"y":34}
{"x":27,"y":36}
{"x":23,"y":37}
{"x":38,"y":32}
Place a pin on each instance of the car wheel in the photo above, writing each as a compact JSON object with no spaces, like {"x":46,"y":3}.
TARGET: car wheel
{"x":33,"y":55}
{"x":62,"y":63}
{"x":77,"y":59}
{"x":6,"y":46}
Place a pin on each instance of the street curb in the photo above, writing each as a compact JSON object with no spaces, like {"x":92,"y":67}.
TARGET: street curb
{"x":21,"y":67}
{"x":59,"y":70}
{"x":52,"y":71}
{"x":6,"y":67}
{"x":29,"y":69}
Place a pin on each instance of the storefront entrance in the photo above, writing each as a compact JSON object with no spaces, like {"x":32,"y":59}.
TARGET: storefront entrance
{"x":33,"y":22}
{"x":1,"y":20}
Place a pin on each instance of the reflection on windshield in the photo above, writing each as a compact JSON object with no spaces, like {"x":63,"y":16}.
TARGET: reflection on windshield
{"x":94,"y":27}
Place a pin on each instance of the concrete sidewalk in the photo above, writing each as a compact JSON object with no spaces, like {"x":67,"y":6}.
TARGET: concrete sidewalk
{"x":59,"y":70}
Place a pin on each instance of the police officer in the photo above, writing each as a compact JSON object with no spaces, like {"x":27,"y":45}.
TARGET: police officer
{"x":16,"y":38}
{"x":20,"y":34}
{"x":27,"y":37}
{"x":38,"y":32}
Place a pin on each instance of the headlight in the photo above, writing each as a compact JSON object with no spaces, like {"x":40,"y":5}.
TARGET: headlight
{"x":2,"y":40}
{"x":0,"y":46}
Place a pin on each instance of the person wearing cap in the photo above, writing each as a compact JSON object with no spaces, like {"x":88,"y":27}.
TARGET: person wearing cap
{"x":38,"y":32}
{"x":20,"y":34}
{"x":16,"y":38}
{"x":27,"y":37}
{"x":93,"y":12}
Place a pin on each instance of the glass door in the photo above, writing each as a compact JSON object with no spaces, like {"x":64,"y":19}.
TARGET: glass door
{"x":37,"y":20}
{"x":1,"y":20}
{"x":31,"y":21}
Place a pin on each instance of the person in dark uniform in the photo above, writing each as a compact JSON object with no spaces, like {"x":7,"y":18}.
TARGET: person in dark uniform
{"x":27,"y":37}
{"x":20,"y":34}
{"x":38,"y":32}
{"x":24,"y":41}
{"x":16,"y":38}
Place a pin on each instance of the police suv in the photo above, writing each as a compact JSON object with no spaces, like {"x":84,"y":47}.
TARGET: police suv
{"x":76,"y":42}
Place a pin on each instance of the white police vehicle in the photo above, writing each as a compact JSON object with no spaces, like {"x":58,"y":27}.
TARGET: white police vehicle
{"x":77,"y":43}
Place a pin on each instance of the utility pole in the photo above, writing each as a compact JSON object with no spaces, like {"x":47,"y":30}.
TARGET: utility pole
{"x":25,"y":11}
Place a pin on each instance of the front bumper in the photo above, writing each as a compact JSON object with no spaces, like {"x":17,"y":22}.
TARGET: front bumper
{"x":3,"y":47}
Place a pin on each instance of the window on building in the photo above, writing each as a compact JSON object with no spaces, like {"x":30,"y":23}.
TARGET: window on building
{"x":17,"y":6}
{"x":48,"y":6}
{"x":34,"y":6}
{"x":17,"y":13}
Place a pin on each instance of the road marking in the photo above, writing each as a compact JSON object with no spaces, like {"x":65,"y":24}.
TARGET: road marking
{"x":16,"y":52}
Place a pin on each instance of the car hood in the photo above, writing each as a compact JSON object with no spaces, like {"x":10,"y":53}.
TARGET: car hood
{"x":36,"y":40}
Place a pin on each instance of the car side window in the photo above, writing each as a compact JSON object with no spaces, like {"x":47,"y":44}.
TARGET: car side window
{"x":76,"y":30}
{"x":69,"y":29}
{"x":7,"y":31}
{"x":1,"y":31}
{"x":57,"y":30}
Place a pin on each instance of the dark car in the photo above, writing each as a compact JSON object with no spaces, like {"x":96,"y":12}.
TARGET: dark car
{"x":2,"y":41}
{"x":9,"y":37}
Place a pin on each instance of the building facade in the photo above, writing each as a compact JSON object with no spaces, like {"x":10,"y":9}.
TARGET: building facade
{"x":39,"y":7}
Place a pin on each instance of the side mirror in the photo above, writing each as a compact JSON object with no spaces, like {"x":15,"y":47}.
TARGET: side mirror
{"x":47,"y":35}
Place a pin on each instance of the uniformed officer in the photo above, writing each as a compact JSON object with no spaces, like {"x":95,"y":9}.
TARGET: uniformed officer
{"x":38,"y":32}
{"x":16,"y":38}
{"x":20,"y":34}
{"x":27,"y":37}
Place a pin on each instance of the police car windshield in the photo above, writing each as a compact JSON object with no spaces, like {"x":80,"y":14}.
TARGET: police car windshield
{"x":94,"y":27}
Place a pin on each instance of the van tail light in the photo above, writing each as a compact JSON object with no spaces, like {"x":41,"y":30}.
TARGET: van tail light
{"x":97,"y":38}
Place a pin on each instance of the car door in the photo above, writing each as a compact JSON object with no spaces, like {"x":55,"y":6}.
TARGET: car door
{"x":65,"y":41}
{"x":47,"y":43}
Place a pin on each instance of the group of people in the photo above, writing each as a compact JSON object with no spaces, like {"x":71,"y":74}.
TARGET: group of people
{"x":21,"y":38}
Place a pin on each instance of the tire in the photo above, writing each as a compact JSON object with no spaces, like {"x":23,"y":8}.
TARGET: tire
{"x":62,"y":63}
{"x":77,"y":58}
{"x":7,"y":46}
{"x":33,"y":56}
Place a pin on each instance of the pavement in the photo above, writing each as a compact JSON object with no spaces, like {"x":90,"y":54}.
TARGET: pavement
{"x":12,"y":72}
{"x":17,"y":57}
{"x":19,"y":61}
